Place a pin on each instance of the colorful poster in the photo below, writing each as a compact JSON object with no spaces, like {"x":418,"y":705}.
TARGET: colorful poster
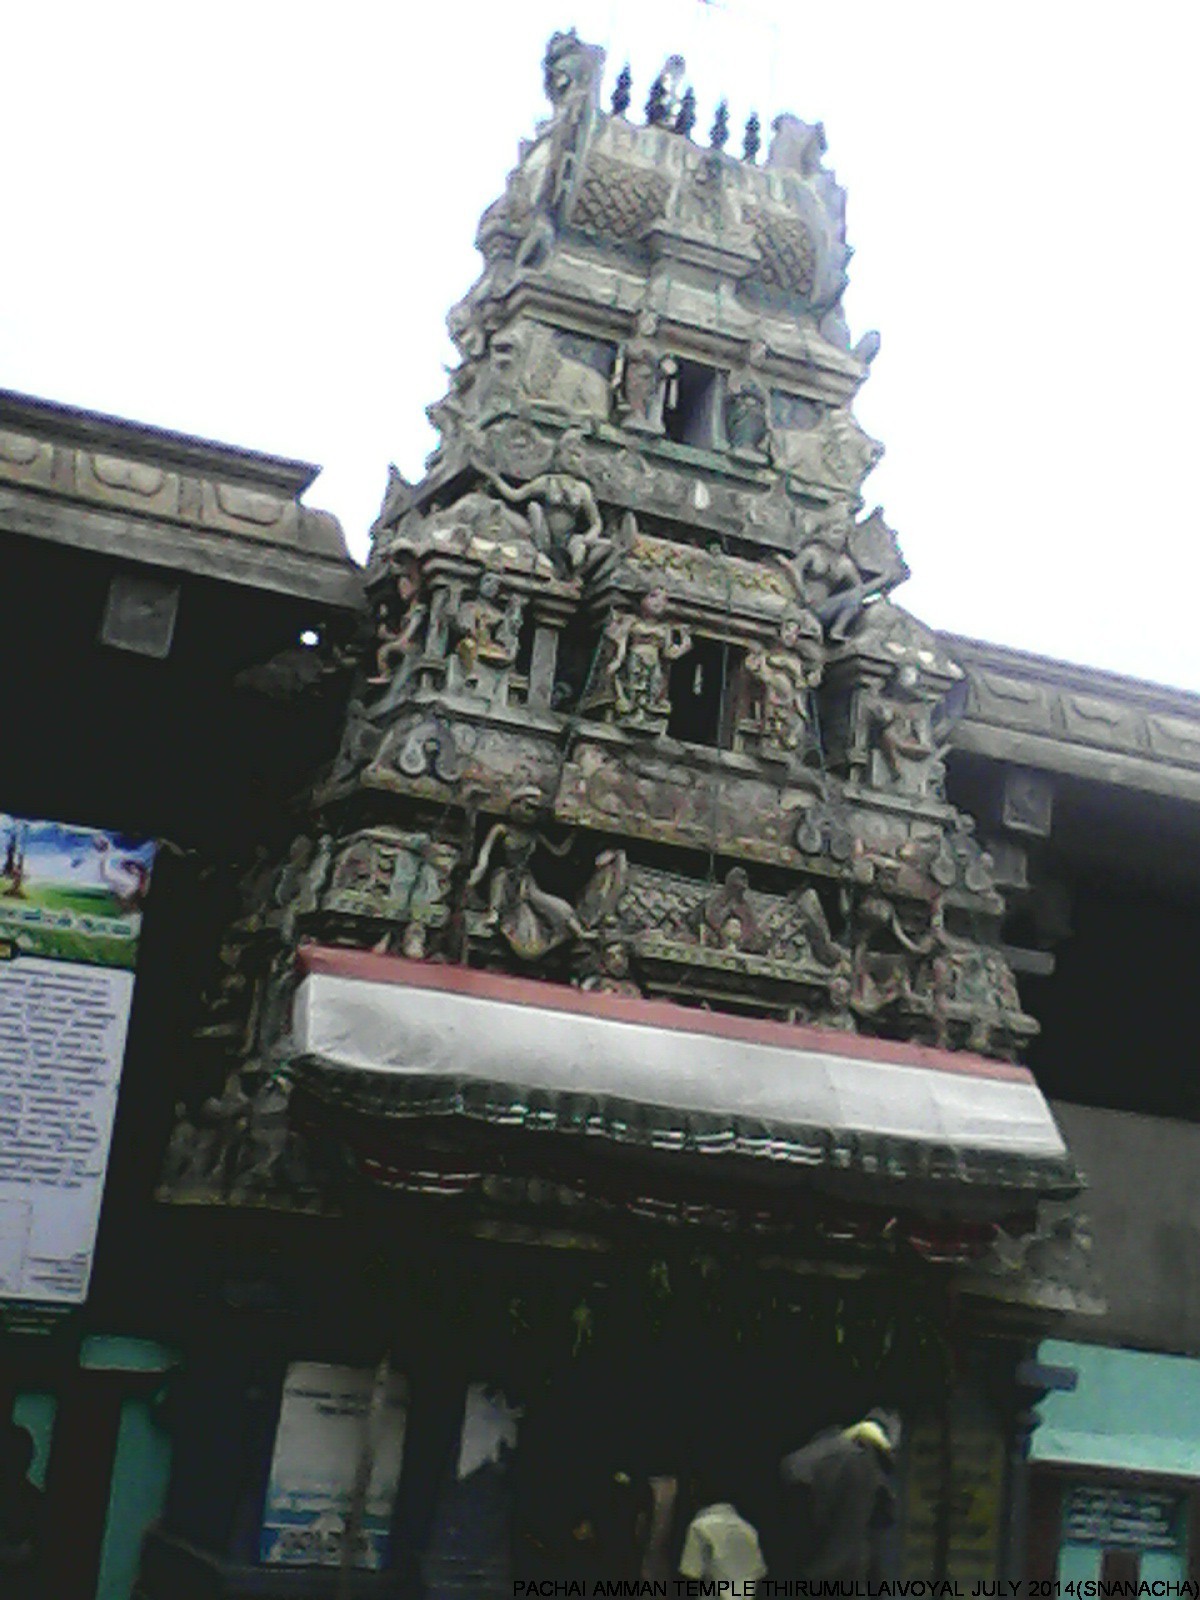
{"x":72,"y":894}
{"x":325,"y":1420}
{"x":70,"y":917}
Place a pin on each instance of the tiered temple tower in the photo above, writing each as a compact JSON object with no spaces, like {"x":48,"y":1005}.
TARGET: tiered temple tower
{"x":632,"y":981}
{"x":639,"y":715}
{"x":640,"y":691}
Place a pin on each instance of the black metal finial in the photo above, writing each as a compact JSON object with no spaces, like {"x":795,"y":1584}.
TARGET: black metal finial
{"x":719,"y":132}
{"x":620,"y":95}
{"x":658,"y":106}
{"x":752,"y":139}
{"x":685,"y":121}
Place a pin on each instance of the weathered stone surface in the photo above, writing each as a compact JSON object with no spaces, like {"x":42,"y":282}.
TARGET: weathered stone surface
{"x":167,"y":499}
{"x":638,"y":713}
{"x":1053,"y":717}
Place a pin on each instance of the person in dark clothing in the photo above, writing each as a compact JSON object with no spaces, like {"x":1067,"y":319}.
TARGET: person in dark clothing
{"x":840,"y":1499}
{"x":20,"y":1515}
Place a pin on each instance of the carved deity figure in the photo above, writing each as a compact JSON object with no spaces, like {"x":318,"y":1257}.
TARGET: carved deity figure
{"x":639,"y":651}
{"x":531,"y":921}
{"x":827,"y":580}
{"x":890,"y":955}
{"x":810,"y":917}
{"x":905,"y":756}
{"x":702,"y":200}
{"x":537,"y":189}
{"x":725,"y":920}
{"x":487,"y":631}
{"x":638,"y":378}
{"x":796,"y":146}
{"x":569,"y":67}
{"x":401,"y":619}
{"x":966,"y":977}
{"x":746,"y":418}
{"x":599,"y":900}
{"x":785,"y":677}
{"x":563,"y":515}
{"x":605,"y":970}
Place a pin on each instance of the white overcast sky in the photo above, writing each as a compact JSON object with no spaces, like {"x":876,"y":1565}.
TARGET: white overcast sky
{"x":248,"y":221}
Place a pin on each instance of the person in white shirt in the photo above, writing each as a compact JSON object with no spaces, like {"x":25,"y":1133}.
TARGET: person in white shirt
{"x":720,"y":1543}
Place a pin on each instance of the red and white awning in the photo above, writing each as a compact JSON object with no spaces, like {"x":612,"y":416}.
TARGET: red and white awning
{"x":412,"y":1039}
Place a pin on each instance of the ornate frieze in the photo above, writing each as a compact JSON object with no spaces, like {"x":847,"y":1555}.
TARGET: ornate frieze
{"x":636,"y":713}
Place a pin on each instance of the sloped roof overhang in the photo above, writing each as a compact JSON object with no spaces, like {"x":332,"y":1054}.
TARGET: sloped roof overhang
{"x":395,"y":1039}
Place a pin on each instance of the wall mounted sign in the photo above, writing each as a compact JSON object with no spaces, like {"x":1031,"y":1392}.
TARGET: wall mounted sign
{"x":70,"y":920}
{"x":324,"y":1418}
{"x":1140,"y":1519}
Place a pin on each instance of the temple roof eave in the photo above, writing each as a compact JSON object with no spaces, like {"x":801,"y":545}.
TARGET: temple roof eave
{"x":403,"y":1042}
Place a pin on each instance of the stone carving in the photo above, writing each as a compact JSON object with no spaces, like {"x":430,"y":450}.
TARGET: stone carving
{"x":746,"y":417}
{"x":564,"y":518}
{"x":975,"y":999}
{"x":606,"y":969}
{"x":836,"y":451}
{"x":429,"y":748}
{"x":499,"y":386}
{"x":270,"y":1156}
{"x":361,"y":738}
{"x":636,"y":652}
{"x":565,"y":372}
{"x":600,"y":899}
{"x":796,"y":146}
{"x":827,"y":578}
{"x":515,"y":447}
{"x":484,"y":517}
{"x":239,"y":1147}
{"x":485,"y":633}
{"x":787,"y":250}
{"x":786,"y":676}
{"x":724,"y":919}
{"x":531,"y":921}
{"x":639,"y":378}
{"x":570,"y":69}
{"x":299,"y":882}
{"x":683,"y":936}
{"x":890,"y":953}
{"x":401,"y":614}
{"x":618,"y":199}
{"x":905,"y":757}
{"x":395,"y":876}
{"x":703,"y":201}
{"x":526,"y":219}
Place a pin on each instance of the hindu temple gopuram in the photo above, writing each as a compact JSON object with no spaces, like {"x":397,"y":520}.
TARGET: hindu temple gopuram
{"x":630,"y":1009}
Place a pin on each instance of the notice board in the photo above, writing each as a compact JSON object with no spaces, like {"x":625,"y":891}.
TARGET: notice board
{"x":70,"y":920}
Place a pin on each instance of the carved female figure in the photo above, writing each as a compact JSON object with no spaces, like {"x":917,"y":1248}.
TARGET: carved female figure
{"x":639,"y":650}
{"x":563,"y":515}
{"x":531,"y":921}
{"x":785,"y":677}
{"x":638,"y":378}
